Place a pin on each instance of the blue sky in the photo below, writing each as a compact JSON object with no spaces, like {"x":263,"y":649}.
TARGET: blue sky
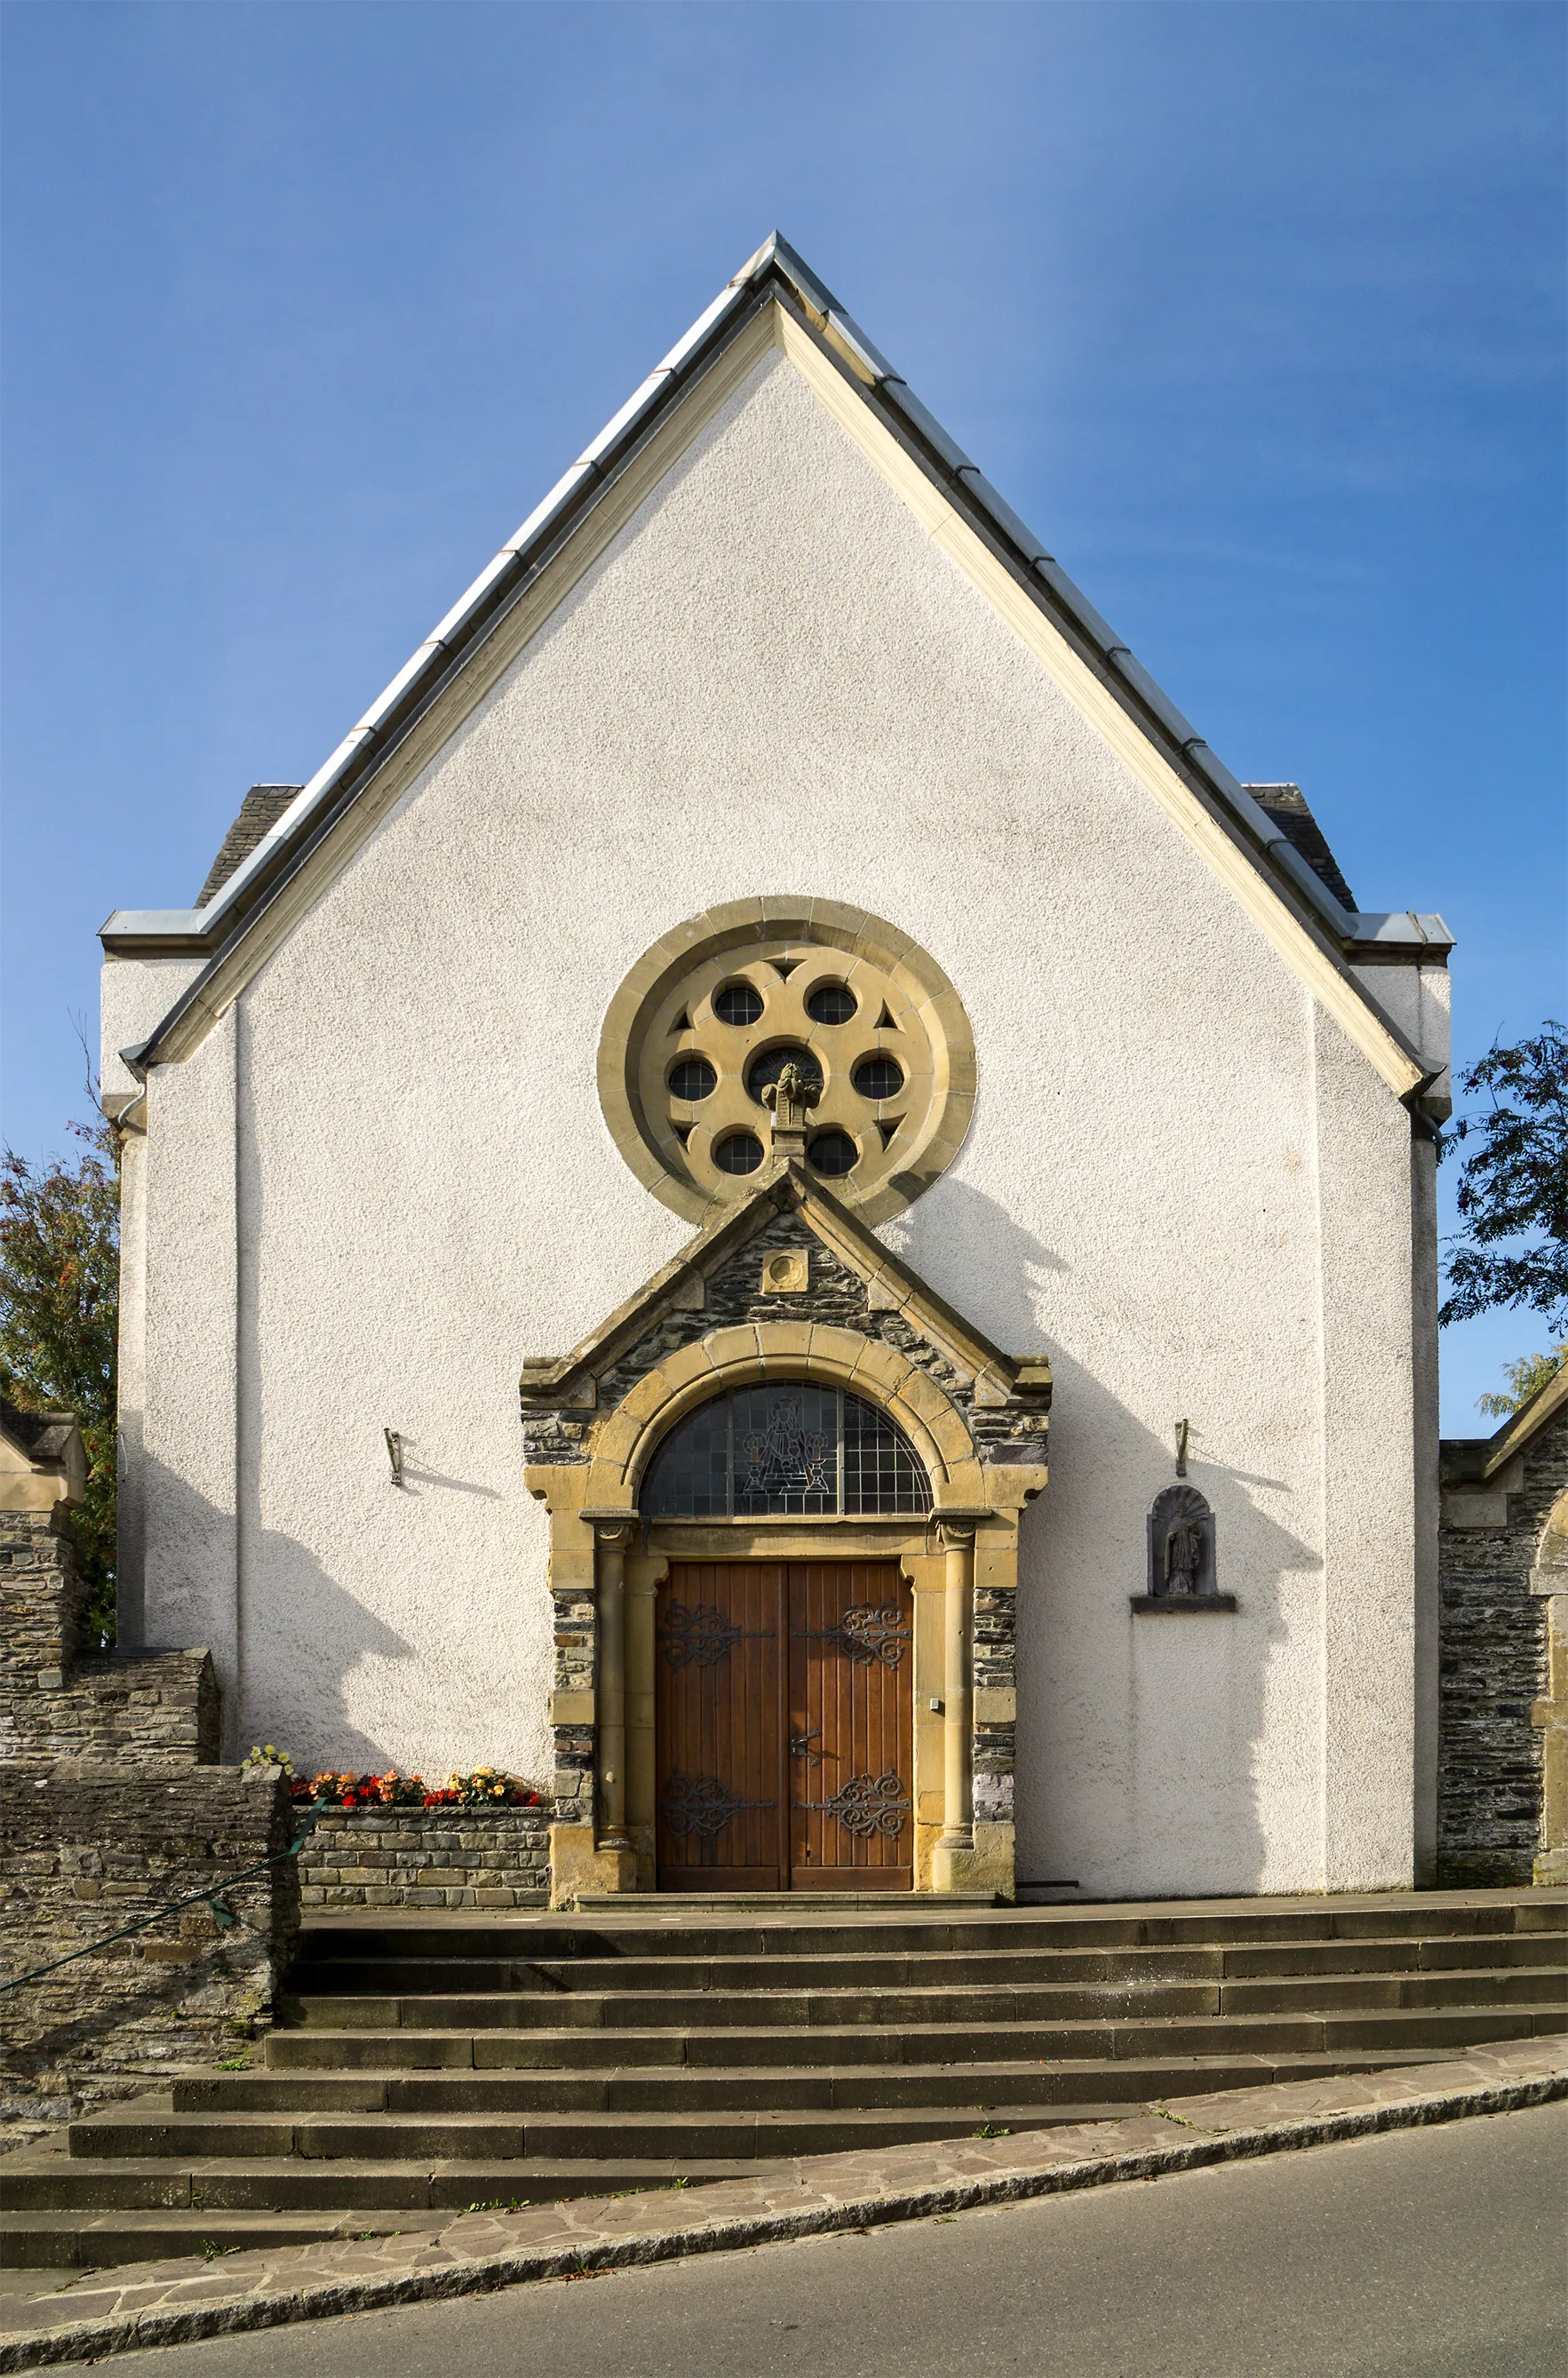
{"x":1255,"y":311}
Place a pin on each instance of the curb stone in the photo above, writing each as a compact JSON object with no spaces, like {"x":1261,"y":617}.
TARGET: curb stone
{"x":435,"y":2268}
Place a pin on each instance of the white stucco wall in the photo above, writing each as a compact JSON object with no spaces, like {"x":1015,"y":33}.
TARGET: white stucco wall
{"x":190,"y":1448}
{"x":1181,"y":1182}
{"x":135,"y":995}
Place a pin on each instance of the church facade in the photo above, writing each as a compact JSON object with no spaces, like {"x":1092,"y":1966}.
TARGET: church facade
{"x":775,"y":1202}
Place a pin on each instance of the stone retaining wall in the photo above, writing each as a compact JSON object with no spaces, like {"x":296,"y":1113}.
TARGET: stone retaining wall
{"x":87,"y":1848}
{"x":426,"y":1857}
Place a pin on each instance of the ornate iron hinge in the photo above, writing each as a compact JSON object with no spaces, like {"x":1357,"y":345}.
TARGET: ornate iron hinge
{"x":866,"y":1805}
{"x":704,"y":1635}
{"x":865,"y":1635}
{"x":702,"y":1805}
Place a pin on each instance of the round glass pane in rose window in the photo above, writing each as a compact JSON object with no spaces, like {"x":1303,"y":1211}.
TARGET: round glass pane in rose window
{"x":831,"y":1003}
{"x":737,"y":1003}
{"x":833,"y":1153}
{"x":879,"y":1077}
{"x":693,"y":1077}
{"x":739,"y":1151}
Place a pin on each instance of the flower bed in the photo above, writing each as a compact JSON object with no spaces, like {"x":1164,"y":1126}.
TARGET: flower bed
{"x":482,"y":1787}
{"x":479,"y":1840}
{"x":485,"y":1788}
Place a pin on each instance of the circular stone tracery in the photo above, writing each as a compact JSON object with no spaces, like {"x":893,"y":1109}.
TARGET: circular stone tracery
{"x":718,"y":1008}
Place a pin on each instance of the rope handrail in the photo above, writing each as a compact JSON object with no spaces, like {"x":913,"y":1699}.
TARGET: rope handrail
{"x":208,"y":1898}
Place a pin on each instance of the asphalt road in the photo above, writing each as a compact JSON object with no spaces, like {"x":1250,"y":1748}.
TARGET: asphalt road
{"x":1436,"y":2253}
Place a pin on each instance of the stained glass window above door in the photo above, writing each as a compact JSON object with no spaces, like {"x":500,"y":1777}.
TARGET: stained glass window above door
{"x":771,"y":1451}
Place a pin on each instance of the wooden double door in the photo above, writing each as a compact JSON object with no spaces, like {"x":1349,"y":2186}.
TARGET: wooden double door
{"x":784,"y":1724}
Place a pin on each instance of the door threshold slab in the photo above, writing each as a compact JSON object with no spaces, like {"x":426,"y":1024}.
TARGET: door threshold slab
{"x":890,"y":1902}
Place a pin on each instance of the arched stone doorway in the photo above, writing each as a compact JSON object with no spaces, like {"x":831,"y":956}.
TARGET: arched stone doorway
{"x":973,"y":1421}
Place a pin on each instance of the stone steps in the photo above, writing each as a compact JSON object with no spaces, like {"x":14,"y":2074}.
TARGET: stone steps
{"x":346,"y":1971}
{"x":1171,"y":1924}
{"x":1046,"y":2003}
{"x":55,"y":2241}
{"x":678,"y":2091}
{"x":45,"y":2179}
{"x":780,"y":2048}
{"x":425,"y":2063}
{"x":303,"y":2113}
{"x":690,"y":2132}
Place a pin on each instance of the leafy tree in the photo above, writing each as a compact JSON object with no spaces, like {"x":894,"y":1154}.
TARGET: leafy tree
{"x":1513,"y":1249}
{"x":59,"y":1316}
{"x":1526,"y":1379}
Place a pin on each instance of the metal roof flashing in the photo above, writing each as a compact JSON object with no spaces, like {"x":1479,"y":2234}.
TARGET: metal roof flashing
{"x":777,"y":272}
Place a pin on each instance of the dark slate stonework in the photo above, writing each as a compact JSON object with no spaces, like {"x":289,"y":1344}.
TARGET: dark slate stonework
{"x":426,"y":1857}
{"x":42,"y":1605}
{"x":993,"y":1664}
{"x":87,"y":1848}
{"x":1492,"y":1667}
{"x":734,"y":1295}
{"x":111,"y":1806}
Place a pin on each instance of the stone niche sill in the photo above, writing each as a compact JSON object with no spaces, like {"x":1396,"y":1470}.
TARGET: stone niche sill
{"x":1183,"y":1605}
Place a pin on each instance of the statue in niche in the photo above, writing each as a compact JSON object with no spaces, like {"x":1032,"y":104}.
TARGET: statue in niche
{"x":1181,"y":1543}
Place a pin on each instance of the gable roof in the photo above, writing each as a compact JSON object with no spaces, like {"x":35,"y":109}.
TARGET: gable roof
{"x":1471,"y":1460}
{"x":250,"y":910}
{"x":1002,"y":1380}
{"x":1286,"y":804}
{"x":258,"y":813}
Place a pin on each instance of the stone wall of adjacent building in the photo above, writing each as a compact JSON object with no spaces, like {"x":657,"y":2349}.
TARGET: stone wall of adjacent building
{"x":435,"y":1857}
{"x":87,"y":1848}
{"x":146,"y":1707}
{"x":1493,"y":1658}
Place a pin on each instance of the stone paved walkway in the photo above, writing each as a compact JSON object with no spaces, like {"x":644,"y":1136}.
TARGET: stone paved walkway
{"x":144,"y":2304}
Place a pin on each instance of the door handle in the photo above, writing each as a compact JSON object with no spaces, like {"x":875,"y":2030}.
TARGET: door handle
{"x":800,"y":1746}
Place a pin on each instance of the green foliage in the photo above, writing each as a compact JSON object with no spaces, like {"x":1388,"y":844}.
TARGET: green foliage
{"x":1512,"y":1195}
{"x":1526,"y":1379}
{"x":59,"y":1320}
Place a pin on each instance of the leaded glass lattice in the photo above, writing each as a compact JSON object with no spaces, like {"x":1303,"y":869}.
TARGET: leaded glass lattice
{"x":882,"y":1472}
{"x":789,"y":1450}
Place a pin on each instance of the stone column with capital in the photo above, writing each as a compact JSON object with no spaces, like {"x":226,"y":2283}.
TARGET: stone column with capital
{"x":969,"y":1855}
{"x":599,"y":1855}
{"x":612,"y":1539}
{"x":956,"y":1537}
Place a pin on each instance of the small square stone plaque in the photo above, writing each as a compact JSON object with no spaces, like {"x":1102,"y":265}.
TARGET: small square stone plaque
{"x":787,"y":1275}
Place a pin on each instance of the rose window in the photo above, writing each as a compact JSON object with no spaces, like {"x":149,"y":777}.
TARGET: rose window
{"x":704,"y":1027}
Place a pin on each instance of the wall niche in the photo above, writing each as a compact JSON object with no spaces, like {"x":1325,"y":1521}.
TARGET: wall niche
{"x":1181,"y":1573}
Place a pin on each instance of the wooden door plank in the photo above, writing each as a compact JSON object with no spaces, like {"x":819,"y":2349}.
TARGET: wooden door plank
{"x":864,"y":1712}
{"x":716,"y":1728}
